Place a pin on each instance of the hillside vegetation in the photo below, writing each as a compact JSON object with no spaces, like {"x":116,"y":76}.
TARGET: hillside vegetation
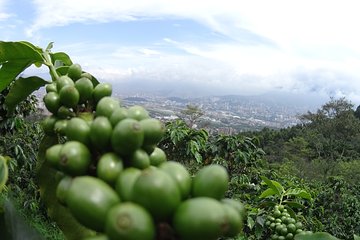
{"x":320,"y":155}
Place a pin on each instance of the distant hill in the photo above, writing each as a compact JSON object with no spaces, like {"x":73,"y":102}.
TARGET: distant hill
{"x":181,"y":93}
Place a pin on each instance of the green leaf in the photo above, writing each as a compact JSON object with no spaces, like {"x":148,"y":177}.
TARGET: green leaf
{"x":21,"y":89}
{"x":291,"y":212}
{"x":15,"y":57}
{"x":268,"y":192}
{"x":49,"y":46}
{"x":38,"y":64}
{"x":3,"y":172}
{"x":32,"y":46}
{"x":198,"y":157}
{"x":258,"y":231}
{"x":9,"y":71}
{"x":273,"y":185}
{"x":356,"y":237}
{"x":315,"y":236}
{"x":278,"y":186}
{"x":62,"y":57}
{"x":19,"y":52}
{"x":250,"y":222}
{"x":62,"y":70}
{"x":298,"y":193}
{"x":48,"y":182}
{"x":36,"y":49}
{"x":293,"y":204}
{"x":267,"y":204}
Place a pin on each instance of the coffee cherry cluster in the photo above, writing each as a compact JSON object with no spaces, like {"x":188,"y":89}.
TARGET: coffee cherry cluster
{"x":117,"y":181}
{"x":282,"y":225}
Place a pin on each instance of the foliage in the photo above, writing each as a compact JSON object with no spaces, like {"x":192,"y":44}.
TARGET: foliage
{"x":238,"y":153}
{"x":21,"y":148}
{"x":316,"y":236}
{"x":3,"y":172}
{"x":337,"y":207}
{"x":183,"y":143}
{"x":349,"y":171}
{"x":276,"y":191}
{"x":9,"y":122}
{"x":275,"y":195}
{"x":15,"y":57}
{"x":337,"y":128}
{"x":326,"y":143}
{"x":357,"y":112}
{"x":316,"y":148}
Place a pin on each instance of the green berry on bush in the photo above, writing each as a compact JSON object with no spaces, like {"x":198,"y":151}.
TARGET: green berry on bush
{"x":63,"y":81}
{"x":102,"y":90}
{"x":74,"y":71}
{"x":115,"y":179}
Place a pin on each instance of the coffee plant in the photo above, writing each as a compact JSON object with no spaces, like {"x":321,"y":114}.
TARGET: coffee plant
{"x":109,"y":174}
{"x":102,"y":173}
{"x":185,"y":143}
{"x":282,"y":225}
{"x":110,"y":155}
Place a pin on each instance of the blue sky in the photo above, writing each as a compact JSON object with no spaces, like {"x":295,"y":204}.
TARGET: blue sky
{"x":221,"y":47}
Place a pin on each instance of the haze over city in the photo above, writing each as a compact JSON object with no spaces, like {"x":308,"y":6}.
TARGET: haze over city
{"x":195,"y":48}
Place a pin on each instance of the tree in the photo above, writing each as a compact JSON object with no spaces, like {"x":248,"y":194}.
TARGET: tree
{"x":333,"y":131}
{"x":192,"y":113}
{"x":332,"y":109}
{"x":182,"y":143}
{"x":357,"y":112}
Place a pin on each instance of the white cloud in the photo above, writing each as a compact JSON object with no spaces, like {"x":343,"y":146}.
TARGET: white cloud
{"x":167,"y":70}
{"x":320,"y":38}
{"x":285,"y":22}
{"x":149,"y":52}
{"x":65,"y":12}
{"x":3,"y":10}
{"x":221,"y":68}
{"x":4,"y":16}
{"x":293,"y":27}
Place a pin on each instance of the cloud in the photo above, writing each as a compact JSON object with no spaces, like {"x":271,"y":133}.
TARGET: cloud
{"x":65,"y":12}
{"x":4,"y":14}
{"x":268,"y":33}
{"x":289,"y":45}
{"x":216,"y":68}
{"x":208,"y":74}
{"x":280,"y":21}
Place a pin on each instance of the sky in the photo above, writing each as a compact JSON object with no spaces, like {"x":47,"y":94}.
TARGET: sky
{"x":201,"y":47}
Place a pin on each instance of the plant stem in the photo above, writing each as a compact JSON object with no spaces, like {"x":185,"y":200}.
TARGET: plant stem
{"x":48,"y":62}
{"x":281,"y":198}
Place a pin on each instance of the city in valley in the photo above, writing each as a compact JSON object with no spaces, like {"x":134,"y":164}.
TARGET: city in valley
{"x":227,"y":114}
{"x":222,"y":114}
